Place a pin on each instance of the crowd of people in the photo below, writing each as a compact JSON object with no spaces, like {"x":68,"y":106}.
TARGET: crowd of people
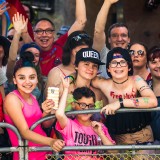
{"x":89,"y":75}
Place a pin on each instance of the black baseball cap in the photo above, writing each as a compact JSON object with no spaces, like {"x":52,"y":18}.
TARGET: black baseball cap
{"x":88,"y":54}
{"x":119,"y":52}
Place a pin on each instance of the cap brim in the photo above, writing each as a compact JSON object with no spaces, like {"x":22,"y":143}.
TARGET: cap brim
{"x":93,"y":60}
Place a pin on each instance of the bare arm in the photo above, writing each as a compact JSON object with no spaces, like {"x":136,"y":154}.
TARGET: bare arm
{"x":20,"y":25}
{"x":53,"y":80}
{"x":60,"y":113}
{"x":147,"y":99}
{"x":81,"y":18}
{"x":13,"y":107}
{"x":99,"y":30}
{"x":3,"y":8}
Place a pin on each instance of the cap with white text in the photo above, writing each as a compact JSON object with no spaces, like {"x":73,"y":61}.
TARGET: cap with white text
{"x":88,"y":54}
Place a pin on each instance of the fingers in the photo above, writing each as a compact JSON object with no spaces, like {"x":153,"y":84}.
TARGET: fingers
{"x":57,"y":145}
{"x":108,"y":110}
{"x":47,"y":105}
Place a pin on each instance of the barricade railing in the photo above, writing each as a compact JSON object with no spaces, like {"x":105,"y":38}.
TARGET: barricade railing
{"x":20,"y":147}
{"x":23,"y":148}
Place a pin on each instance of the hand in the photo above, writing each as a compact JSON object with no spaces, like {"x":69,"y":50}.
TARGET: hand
{"x":97,"y":127}
{"x":19,"y":23}
{"x":47,"y":106}
{"x":57,"y":145}
{"x":110,"y":109}
{"x":112,"y":1}
{"x":3,"y":7}
{"x":65,"y":81}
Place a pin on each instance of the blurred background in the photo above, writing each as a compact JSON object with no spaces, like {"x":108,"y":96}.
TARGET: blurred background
{"x":141,"y":16}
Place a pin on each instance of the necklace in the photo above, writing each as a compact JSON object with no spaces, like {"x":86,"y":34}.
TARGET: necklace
{"x":120,"y":82}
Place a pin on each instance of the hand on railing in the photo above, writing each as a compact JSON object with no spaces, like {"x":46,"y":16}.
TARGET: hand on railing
{"x":57,"y":145}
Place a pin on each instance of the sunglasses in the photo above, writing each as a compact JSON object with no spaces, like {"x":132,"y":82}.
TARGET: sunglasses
{"x":139,"y":53}
{"x":84,"y":105}
{"x":11,"y":38}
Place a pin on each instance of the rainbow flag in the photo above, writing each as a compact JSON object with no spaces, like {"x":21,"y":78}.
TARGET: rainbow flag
{"x":16,"y":6}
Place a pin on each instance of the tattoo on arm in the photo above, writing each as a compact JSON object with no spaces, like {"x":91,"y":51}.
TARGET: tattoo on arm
{"x":135,"y":102}
{"x":143,"y":88}
{"x":146,"y":100}
{"x":139,"y":79}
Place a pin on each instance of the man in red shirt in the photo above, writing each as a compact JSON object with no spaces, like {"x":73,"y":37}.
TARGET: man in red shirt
{"x":44,"y":32}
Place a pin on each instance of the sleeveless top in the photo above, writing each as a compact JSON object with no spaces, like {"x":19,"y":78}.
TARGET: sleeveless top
{"x":32,"y":114}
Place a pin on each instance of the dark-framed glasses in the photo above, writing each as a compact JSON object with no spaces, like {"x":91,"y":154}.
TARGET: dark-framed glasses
{"x":114,"y":63}
{"x":139,"y":53}
{"x":84,"y":105}
{"x":11,"y":38}
{"x":41,"y":31}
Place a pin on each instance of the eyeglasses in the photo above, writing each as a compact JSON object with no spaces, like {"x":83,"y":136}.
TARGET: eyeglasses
{"x":114,"y":64}
{"x":41,"y":31}
{"x":119,"y":35}
{"x":11,"y":38}
{"x":84,"y":105}
{"x":139,"y":53}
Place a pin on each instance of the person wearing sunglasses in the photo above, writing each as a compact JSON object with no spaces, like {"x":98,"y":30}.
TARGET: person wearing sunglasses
{"x":44,"y":36}
{"x":123,"y":90}
{"x":78,"y":131}
{"x":138,"y":52}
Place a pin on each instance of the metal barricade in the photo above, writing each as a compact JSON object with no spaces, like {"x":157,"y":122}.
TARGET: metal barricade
{"x":132,"y":150}
{"x":20,"y":147}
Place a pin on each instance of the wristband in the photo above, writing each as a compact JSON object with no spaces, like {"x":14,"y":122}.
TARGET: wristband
{"x":121,"y":103}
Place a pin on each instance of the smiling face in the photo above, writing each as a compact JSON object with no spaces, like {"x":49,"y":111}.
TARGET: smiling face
{"x":45,"y":39}
{"x":154,"y":66}
{"x":118,"y":68}
{"x":87,"y":70}
{"x":119,"y":37}
{"x":83,"y":118}
{"x":26,"y":79}
{"x":138,"y":55}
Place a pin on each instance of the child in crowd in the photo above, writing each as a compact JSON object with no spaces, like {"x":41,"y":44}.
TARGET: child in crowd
{"x":125,"y":90}
{"x":81,"y":126}
{"x":22,"y":110}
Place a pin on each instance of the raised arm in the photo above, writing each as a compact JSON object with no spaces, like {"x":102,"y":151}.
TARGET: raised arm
{"x":60,"y":113}
{"x":19,"y":25}
{"x":99,"y":30}
{"x":3,"y":8}
{"x":81,"y":18}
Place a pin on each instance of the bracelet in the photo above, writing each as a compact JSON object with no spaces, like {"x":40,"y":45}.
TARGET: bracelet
{"x":121,"y":103}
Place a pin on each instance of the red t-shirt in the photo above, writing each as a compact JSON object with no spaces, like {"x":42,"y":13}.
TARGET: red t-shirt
{"x":53,"y":57}
{"x":1,"y":108}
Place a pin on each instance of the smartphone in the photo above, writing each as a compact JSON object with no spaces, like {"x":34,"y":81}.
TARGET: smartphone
{"x":53,"y":93}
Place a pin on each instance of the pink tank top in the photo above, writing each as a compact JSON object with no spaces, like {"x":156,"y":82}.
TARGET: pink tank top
{"x":32,"y":113}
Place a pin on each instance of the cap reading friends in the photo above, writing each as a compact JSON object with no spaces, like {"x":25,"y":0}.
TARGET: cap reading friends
{"x":88,"y":54}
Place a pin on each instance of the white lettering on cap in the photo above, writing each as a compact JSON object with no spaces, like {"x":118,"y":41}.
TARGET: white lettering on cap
{"x":90,"y":54}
